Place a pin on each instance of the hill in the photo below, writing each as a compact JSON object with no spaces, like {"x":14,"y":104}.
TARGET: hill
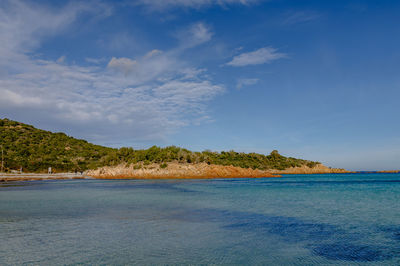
{"x":35,"y":150}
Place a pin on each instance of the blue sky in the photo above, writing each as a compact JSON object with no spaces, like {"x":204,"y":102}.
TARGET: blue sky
{"x":313,"y":79}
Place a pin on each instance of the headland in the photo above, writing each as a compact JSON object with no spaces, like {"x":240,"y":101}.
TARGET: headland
{"x":31,"y":150}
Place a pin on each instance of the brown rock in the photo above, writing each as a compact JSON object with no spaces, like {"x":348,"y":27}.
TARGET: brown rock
{"x":177,"y":171}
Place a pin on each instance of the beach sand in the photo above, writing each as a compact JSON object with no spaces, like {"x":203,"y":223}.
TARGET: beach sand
{"x":31,"y":176}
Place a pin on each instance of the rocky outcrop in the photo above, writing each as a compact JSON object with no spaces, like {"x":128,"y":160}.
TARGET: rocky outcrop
{"x":176,"y":171}
{"x":173,"y":170}
{"x":318,"y":169}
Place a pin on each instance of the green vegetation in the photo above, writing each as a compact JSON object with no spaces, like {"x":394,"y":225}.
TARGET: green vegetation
{"x":35,"y":150}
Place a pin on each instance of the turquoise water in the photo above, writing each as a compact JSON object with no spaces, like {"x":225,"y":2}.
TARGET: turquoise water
{"x":348,"y":219}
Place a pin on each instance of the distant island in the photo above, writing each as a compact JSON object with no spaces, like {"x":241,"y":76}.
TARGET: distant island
{"x":28,"y":149}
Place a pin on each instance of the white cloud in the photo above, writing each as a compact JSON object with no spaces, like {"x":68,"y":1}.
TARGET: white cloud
{"x":123,"y":64}
{"x":94,"y":60}
{"x":61,"y":59}
{"x":195,"y":35}
{"x":246,"y":82}
{"x":257,"y":57}
{"x":161,"y":5}
{"x":153,"y":52}
{"x":22,"y":24}
{"x":14,"y":99}
{"x":296,"y":17}
{"x":156,"y":94}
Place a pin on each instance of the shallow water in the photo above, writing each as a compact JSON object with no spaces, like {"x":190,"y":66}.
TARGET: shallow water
{"x":348,"y":219}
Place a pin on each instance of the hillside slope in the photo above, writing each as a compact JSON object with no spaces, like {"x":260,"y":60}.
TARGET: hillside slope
{"x":35,"y":150}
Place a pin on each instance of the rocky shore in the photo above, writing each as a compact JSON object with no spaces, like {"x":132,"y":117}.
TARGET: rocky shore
{"x":177,"y":171}
{"x":200,"y":170}
{"x":173,"y":170}
{"x":318,"y":169}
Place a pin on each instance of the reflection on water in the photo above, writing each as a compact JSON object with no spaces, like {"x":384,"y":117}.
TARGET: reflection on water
{"x":343,"y":219}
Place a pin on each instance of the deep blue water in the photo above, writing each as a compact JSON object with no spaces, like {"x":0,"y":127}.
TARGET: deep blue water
{"x":347,"y":219}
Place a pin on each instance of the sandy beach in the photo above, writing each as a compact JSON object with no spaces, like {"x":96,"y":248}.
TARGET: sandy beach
{"x":32,"y":176}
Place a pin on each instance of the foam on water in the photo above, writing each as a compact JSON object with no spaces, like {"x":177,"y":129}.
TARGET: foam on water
{"x":348,"y":219}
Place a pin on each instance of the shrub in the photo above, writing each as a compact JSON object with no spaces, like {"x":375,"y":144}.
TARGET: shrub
{"x":35,"y":150}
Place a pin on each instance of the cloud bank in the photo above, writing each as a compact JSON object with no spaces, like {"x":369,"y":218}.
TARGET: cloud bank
{"x":130,"y":99}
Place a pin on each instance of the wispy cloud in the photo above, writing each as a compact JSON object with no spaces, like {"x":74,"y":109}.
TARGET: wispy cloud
{"x":246,"y":82}
{"x":257,"y":57}
{"x":162,"y":5}
{"x":194,"y":35}
{"x":295,"y":17}
{"x":23,"y":25}
{"x":95,"y":60}
{"x":123,"y":64}
{"x":153,"y":52}
{"x":61,"y":59}
{"x":129,"y":99}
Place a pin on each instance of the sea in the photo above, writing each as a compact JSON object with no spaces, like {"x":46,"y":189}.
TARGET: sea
{"x":330,"y":219}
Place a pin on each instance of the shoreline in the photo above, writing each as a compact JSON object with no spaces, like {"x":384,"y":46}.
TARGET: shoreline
{"x":318,"y":169}
{"x":172,"y":170}
{"x":176,"y":170}
{"x":6,"y":177}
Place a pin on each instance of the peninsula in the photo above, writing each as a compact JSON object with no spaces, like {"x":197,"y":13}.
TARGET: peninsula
{"x":28,"y":149}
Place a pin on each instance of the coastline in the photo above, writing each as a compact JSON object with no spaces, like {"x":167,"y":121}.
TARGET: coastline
{"x":388,"y":171}
{"x":177,"y":171}
{"x":201,"y":170}
{"x":318,"y":169}
{"x":5,"y":177}
{"x":173,"y":170}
